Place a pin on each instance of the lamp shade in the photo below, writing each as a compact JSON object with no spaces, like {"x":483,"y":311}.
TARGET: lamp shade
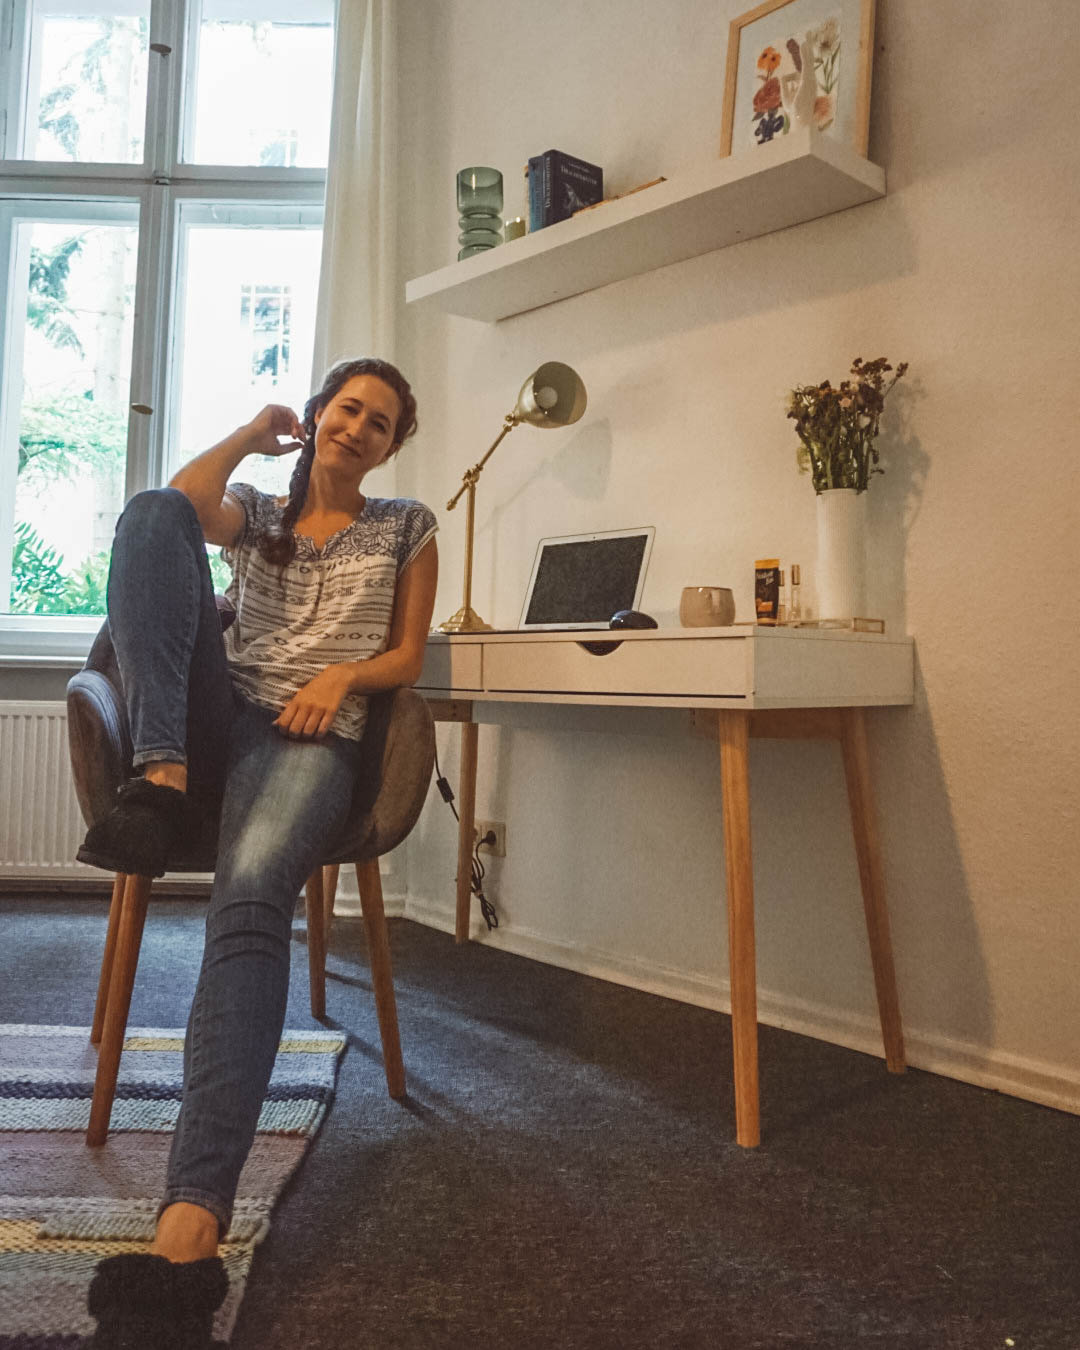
{"x":552,"y":396}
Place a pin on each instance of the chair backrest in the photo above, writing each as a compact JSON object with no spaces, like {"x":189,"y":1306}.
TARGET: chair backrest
{"x":99,"y":741}
{"x":401,"y":733}
{"x":399,"y":739}
{"x":98,"y":736}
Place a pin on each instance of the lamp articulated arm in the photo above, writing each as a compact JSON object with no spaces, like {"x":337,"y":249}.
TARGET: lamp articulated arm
{"x":466,"y":620}
{"x":471,"y":475}
{"x":552,"y":396}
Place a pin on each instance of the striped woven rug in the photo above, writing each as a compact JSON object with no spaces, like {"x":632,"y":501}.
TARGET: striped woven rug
{"x":64,"y":1206}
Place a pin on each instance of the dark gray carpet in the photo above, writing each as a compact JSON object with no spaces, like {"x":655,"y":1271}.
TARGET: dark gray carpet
{"x":564,"y":1173}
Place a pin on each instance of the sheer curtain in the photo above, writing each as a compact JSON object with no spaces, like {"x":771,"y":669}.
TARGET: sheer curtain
{"x":358,"y":277}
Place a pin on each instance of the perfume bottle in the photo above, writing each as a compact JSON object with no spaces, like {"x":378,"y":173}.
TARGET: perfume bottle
{"x":781,"y":601}
{"x":794,"y":610}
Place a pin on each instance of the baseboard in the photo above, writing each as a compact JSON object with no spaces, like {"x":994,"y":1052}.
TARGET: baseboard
{"x":195,"y":885}
{"x":981,"y":1066}
{"x":348,"y":906}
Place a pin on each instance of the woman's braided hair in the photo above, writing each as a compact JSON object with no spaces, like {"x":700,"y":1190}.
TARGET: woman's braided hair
{"x":278,"y":544}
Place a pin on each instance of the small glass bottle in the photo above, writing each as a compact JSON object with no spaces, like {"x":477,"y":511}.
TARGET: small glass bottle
{"x":781,"y":601}
{"x":794,"y":610}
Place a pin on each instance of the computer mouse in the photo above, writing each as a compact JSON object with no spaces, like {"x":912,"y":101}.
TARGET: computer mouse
{"x":632,"y":618}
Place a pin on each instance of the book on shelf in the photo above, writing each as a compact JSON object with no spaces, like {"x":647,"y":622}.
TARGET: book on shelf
{"x":559,"y":185}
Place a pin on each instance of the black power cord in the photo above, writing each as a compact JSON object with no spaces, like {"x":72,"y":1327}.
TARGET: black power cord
{"x":477,"y":870}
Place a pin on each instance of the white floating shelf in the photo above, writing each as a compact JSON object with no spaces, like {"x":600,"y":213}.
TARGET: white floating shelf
{"x":724,"y":201}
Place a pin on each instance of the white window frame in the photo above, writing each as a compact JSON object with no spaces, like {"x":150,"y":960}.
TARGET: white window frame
{"x":16,"y":33}
{"x":161,"y":186}
{"x":13,"y":297}
{"x":14,"y":42}
{"x":190,"y":209}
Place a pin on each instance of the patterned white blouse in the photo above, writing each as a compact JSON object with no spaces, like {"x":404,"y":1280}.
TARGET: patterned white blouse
{"x":327,"y":606}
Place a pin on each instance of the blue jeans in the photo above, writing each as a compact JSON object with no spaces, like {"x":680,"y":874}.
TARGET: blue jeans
{"x":282,"y":803}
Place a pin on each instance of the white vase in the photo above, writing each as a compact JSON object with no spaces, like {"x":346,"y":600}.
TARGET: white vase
{"x":841,"y":554}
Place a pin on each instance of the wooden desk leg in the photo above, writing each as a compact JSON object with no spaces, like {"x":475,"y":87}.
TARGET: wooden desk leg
{"x":872,"y":879}
{"x":734,"y":731}
{"x":466,"y":815}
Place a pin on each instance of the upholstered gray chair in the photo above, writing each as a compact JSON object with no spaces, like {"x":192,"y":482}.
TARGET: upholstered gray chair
{"x":400,"y":736}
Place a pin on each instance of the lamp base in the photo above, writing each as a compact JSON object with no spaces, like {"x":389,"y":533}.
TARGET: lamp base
{"x":466,"y":620}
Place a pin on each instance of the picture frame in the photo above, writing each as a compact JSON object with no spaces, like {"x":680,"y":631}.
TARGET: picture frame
{"x":767,"y":94}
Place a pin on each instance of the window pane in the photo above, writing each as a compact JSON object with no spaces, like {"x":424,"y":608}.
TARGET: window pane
{"x":86,"y":89}
{"x":263,"y":88}
{"x":71,"y":414}
{"x":247,"y":305}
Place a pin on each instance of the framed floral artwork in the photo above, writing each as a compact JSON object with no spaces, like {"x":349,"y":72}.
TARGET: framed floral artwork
{"x":798,"y":63}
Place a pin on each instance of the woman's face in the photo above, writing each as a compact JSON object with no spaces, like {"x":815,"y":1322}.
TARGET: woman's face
{"x":354,"y":432}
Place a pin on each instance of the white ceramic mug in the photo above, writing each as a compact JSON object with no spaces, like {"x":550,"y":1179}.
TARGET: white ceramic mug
{"x":706,"y":607}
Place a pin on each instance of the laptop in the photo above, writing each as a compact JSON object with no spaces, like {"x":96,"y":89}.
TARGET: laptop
{"x":581,"y":580}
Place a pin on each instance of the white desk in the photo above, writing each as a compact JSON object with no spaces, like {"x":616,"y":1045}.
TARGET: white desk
{"x":735,"y":683}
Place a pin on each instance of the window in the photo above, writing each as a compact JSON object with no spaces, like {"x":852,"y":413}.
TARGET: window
{"x":244,"y":330}
{"x":275,"y":60}
{"x":266,"y":312}
{"x":83,"y":91}
{"x":67,"y":374}
{"x":162,"y":170}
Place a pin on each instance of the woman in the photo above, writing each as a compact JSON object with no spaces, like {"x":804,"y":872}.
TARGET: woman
{"x":333,"y":594}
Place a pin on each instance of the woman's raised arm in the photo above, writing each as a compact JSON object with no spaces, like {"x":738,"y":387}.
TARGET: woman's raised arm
{"x":203,"y":479}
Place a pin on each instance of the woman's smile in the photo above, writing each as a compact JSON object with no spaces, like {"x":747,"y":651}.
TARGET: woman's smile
{"x":360,"y":421}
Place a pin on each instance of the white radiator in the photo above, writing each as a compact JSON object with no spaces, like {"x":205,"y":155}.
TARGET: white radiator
{"x":41,"y":825}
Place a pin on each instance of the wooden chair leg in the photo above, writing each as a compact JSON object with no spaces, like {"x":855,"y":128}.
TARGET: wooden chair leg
{"x":872,"y":879}
{"x":316,"y":942}
{"x":382,"y":976}
{"x":125,"y":959}
{"x":329,"y":881}
{"x":102,"y":1003}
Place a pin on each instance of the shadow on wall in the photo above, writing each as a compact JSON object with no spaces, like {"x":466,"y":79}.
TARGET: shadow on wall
{"x":580,"y":466}
{"x":812,"y":941}
{"x":941,"y":971}
{"x":618,"y":886}
{"x":841,"y":255}
{"x":579,"y":462}
{"x":894,"y":500}
{"x":933,"y":109}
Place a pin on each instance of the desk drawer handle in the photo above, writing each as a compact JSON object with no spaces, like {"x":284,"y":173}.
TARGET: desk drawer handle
{"x":600,"y":648}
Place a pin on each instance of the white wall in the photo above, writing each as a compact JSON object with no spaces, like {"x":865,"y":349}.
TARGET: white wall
{"x":969,"y":270}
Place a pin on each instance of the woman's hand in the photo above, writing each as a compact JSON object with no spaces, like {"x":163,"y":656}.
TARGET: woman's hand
{"x":311,"y":711}
{"x":265,"y":427}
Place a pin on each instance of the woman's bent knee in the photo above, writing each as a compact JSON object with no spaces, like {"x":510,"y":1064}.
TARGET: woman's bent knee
{"x":158,"y":508}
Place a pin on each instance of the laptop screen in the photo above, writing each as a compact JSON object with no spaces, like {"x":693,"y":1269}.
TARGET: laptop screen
{"x":582,"y":581}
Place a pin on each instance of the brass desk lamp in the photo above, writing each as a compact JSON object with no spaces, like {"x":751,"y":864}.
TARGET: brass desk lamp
{"x":553,"y":396}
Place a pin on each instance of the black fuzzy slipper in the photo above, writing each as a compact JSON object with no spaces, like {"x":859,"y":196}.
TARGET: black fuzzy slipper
{"x":138,"y":835}
{"x":149,"y":1303}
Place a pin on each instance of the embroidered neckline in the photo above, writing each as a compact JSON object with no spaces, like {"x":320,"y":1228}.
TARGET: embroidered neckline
{"x":306,"y":544}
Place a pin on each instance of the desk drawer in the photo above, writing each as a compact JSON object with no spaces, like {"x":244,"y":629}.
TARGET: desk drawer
{"x":452,"y":666}
{"x":714,"y":667}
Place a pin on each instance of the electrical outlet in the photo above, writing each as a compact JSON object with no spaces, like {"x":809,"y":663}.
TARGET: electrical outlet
{"x":498,"y":829}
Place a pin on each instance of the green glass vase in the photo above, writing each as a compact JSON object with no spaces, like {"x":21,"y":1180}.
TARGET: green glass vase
{"x":480,"y":202}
